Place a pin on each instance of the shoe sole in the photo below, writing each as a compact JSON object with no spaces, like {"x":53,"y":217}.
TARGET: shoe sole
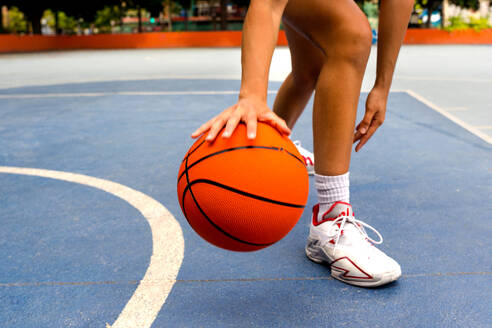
{"x":386,"y":278}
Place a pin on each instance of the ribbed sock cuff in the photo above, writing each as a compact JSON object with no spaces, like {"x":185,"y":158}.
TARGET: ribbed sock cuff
{"x":332,"y":188}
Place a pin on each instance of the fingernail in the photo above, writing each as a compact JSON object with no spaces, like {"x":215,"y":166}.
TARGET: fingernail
{"x":251,"y":135}
{"x":362,"y":130}
{"x":226,"y":134}
{"x":209,"y":137}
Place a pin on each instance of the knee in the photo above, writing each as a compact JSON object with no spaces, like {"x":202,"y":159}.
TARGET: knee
{"x":353,"y":42}
{"x":358,"y":40}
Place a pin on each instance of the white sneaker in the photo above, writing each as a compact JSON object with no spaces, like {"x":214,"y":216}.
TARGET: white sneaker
{"x":307,"y":156}
{"x":342,"y":242}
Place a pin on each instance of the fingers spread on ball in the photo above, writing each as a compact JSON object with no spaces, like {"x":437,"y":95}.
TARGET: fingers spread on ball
{"x":251,"y":123}
{"x":231,"y":126}
{"x":203,"y":128}
{"x":275,"y":121}
{"x":214,"y":130}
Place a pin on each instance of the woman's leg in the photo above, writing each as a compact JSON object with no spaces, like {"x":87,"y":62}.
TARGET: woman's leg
{"x":342,"y":33}
{"x":299,"y":85}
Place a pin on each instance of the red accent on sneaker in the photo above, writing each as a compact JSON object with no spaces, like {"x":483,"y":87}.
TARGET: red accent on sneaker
{"x":316,"y":211}
{"x":346,"y":273}
{"x":308,"y":161}
{"x":315,"y":214}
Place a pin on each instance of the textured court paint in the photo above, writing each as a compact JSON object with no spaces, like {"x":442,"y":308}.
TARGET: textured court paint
{"x":464,"y":125}
{"x":422,"y":181}
{"x":167,"y":238}
{"x":123,"y":93}
{"x":437,"y":302}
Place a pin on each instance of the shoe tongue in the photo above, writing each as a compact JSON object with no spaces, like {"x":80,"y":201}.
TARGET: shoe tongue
{"x":338,"y":209}
{"x":350,"y":234}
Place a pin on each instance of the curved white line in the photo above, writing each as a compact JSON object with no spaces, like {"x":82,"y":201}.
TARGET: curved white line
{"x":167,"y":238}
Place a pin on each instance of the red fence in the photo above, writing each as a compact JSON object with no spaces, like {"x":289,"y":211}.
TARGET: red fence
{"x":13,"y":43}
{"x":434,"y":36}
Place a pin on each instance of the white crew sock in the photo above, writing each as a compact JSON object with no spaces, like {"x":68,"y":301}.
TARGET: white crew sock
{"x":331,"y":189}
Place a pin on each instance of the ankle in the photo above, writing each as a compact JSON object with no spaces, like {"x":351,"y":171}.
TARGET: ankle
{"x":331,"y":189}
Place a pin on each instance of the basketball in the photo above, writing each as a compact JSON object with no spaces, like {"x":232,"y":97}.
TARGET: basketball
{"x":240,"y":194}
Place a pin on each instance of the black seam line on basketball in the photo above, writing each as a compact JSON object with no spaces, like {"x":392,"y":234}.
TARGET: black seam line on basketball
{"x":186,"y":170}
{"x":220,"y":152}
{"x":288,"y":152}
{"x":188,"y":187}
{"x":244,"y":193}
{"x":189,"y":154}
{"x":232,"y":149}
{"x":184,"y":191}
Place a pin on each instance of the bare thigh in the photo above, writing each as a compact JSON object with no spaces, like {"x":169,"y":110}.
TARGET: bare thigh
{"x":335,"y":27}
{"x":307,"y":59}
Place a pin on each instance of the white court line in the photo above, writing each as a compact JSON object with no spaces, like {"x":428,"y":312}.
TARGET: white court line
{"x":437,"y":78}
{"x":130,"y":79}
{"x":120,"y":93}
{"x":451,"y":117}
{"x":167,"y":242}
{"x":456,"y":109}
{"x":135,"y":93}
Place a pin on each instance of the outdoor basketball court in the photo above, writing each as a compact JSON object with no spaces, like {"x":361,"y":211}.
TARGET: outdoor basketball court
{"x":92,"y":234}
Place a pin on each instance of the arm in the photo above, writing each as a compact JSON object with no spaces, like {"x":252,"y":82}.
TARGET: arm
{"x":393,"y":21}
{"x":259,"y":39}
{"x":260,"y":34}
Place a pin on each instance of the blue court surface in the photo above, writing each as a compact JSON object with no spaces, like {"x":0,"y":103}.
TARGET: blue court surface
{"x":86,"y":239}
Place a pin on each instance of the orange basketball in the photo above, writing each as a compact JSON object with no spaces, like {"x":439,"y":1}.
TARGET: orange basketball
{"x":241,"y":194}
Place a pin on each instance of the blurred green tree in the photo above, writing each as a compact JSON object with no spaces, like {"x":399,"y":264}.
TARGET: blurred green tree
{"x":34,"y":9}
{"x":34,"y":12}
{"x":59,"y":21}
{"x":153,"y":6}
{"x":433,"y":5}
{"x":108,"y":17}
{"x":1,"y":17}
{"x":16,"y":21}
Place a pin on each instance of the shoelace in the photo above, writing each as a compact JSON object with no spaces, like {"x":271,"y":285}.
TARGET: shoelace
{"x":358,"y":224}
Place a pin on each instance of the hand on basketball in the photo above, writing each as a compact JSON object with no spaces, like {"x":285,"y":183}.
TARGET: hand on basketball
{"x":373,"y":118}
{"x":247,"y":110}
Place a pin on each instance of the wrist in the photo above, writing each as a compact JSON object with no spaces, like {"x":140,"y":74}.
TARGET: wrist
{"x":382,"y":87}
{"x":253,"y":94}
